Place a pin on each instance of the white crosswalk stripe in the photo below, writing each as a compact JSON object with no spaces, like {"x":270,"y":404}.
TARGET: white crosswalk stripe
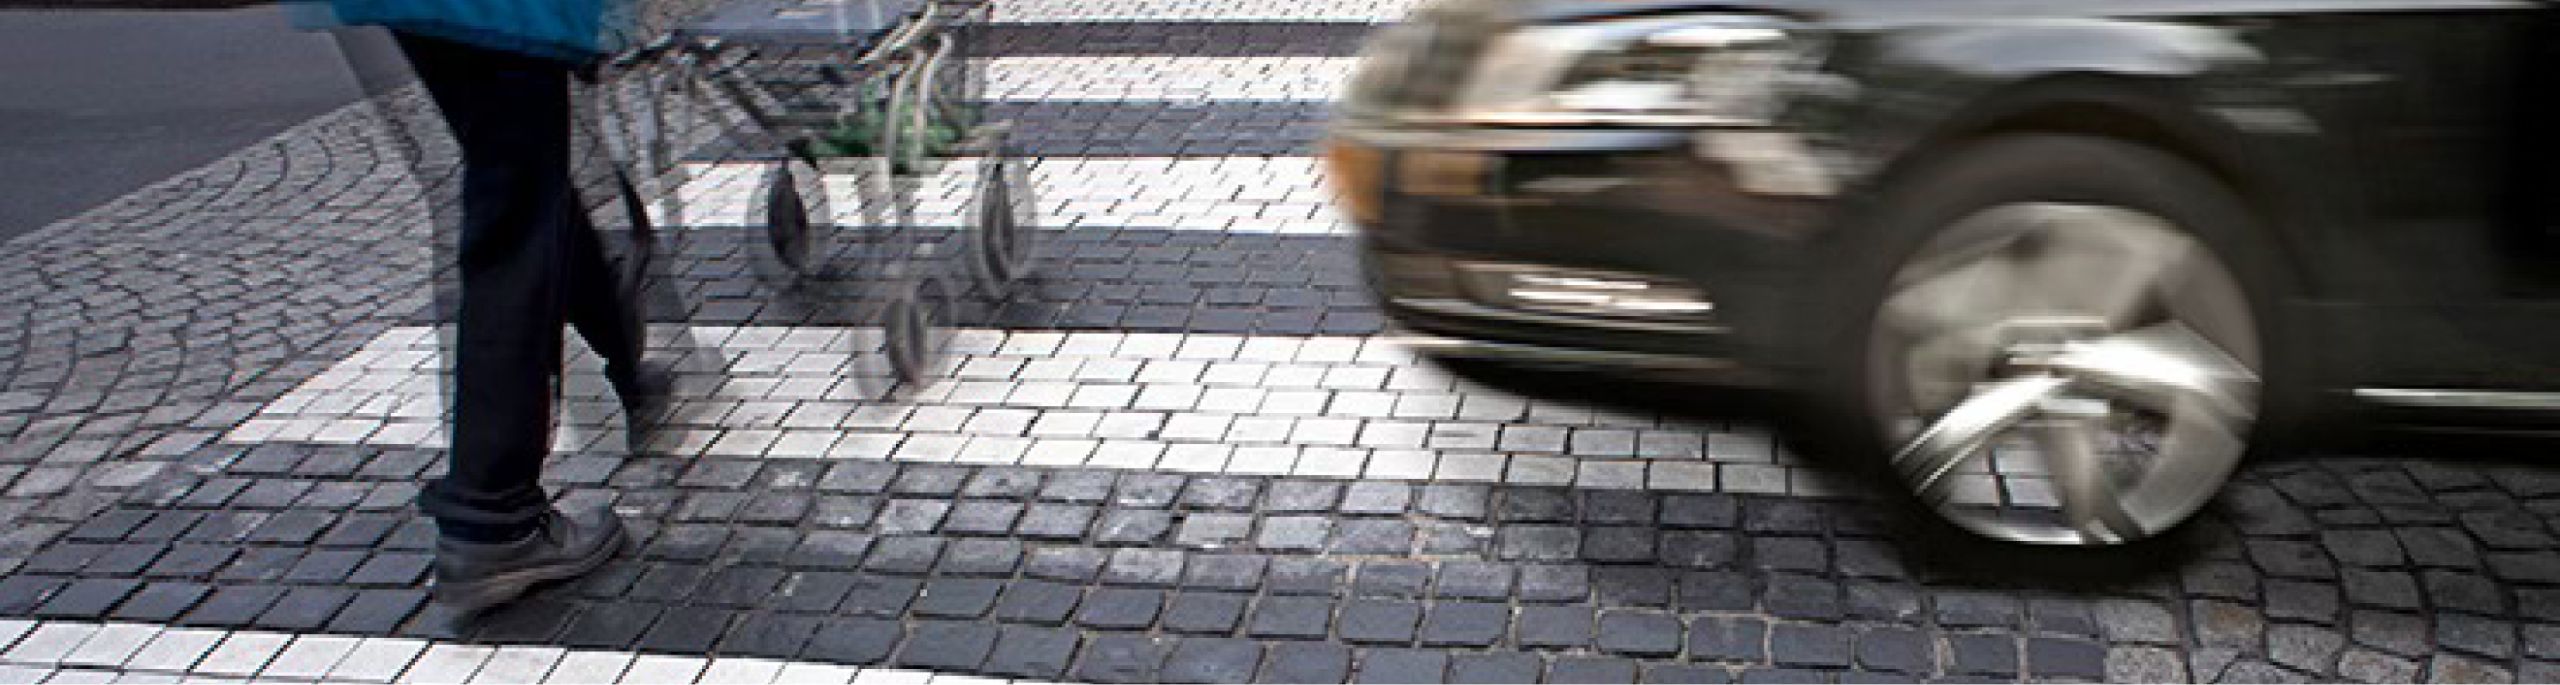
{"x":1238,"y":194}
{"x":1316,"y":406}
{"x":35,"y":652}
{"x":1164,"y":77}
{"x":1202,"y":10}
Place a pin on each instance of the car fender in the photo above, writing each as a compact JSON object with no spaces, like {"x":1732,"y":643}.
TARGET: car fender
{"x":2202,"y":92}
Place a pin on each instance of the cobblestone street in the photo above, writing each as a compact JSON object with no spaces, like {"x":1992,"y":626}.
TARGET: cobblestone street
{"x":1184,"y":452}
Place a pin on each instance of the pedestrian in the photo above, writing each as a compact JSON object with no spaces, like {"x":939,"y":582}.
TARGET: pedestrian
{"x":531,"y":263}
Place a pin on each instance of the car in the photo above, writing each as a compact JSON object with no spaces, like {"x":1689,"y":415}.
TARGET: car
{"x":2060,"y":265}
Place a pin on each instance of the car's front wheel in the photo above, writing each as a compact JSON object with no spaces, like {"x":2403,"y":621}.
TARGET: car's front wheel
{"x":2058,"y":339}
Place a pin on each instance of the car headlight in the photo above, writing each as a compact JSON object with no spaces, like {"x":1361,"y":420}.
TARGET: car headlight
{"x":1688,"y":70}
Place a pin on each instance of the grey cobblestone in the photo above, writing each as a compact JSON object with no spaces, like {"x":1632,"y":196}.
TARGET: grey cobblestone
{"x":178,"y":462}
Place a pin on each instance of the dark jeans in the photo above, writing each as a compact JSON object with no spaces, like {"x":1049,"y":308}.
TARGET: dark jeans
{"x":530,"y":262}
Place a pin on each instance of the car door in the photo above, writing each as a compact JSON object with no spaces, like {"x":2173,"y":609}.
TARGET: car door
{"x":2445,"y":274}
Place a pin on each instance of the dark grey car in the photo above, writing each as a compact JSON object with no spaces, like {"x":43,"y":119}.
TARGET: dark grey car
{"x":2062,"y":263}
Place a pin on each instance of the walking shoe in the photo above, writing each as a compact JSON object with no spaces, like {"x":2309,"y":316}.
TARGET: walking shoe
{"x":471,"y":576}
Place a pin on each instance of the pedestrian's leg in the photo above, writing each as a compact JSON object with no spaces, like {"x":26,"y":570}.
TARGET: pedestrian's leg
{"x":602,"y":311}
{"x":501,"y":536}
{"x":510,"y":115}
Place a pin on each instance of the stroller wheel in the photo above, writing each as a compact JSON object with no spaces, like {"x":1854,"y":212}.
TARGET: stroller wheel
{"x":913,"y":334}
{"x":1003,"y":235}
{"x":786,"y":220}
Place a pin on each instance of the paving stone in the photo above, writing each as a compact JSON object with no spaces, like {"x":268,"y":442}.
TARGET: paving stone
{"x":110,"y":645}
{"x":2474,"y":635}
{"x":1465,"y":624}
{"x":2291,"y":559}
{"x":161,"y":602}
{"x":1538,"y":543}
{"x":1306,"y":662}
{"x":1294,"y":533}
{"x":1047,"y":520}
{"x":1224,"y":571}
{"x":1380,"y":622}
{"x":1558,"y":627}
{"x":1035,"y":601}
{"x":2449,"y":668}
{"x":2439,"y":547}
{"x":1896,"y":650}
{"x":1133,"y":526}
{"x":2223,"y":579}
{"x":772,"y":636}
{"x":1454,"y":501}
{"x":929,"y":481}
{"x":903,"y":555}
{"x":1075,"y":564}
{"x":1795,"y":596}
{"x":1212,"y":660}
{"x":2307,"y":601}
{"x":905,"y":516}
{"x":1591,"y":670}
{"x":2066,"y":658}
{"x":175,"y":650}
{"x":243,"y":653}
{"x":1034,"y":653}
{"x":1120,"y":658}
{"x":2225,"y":624}
{"x":880,"y":595}
{"x":377,"y":612}
{"x":1221,"y":494}
{"x":1640,"y":633}
{"x":305,"y":609}
{"x":1291,"y":617}
{"x":1976,"y":609}
{"x":1990,"y":655}
{"x":686,"y":630}
{"x":1494,"y":667}
{"x":1214,"y":613}
{"x":858,"y":477}
{"x":2392,"y":632}
{"x":2136,"y":621}
{"x":2145,"y":665}
{"x":2307,"y":648}
{"x":1149,"y":490}
{"x":1683,"y":673}
{"x":1399,"y":665}
{"x":2367,"y":548}
{"x":1389,"y":579}
{"x":2367,"y":666}
{"x":1121,"y":608}
{"x":1618,"y":544}
{"x":2542,"y":641}
{"x":1079,"y":486}
{"x":1148,"y":567}
{"x":1305,"y":576}
{"x":956,"y":597}
{"x":2464,"y":591}
{"x":981,"y":558}
{"x":947,"y":645}
{"x":1718,"y":591}
{"x":89,"y":598}
{"x":233,"y":606}
{"x":853,"y":640}
{"x":1214,"y":531}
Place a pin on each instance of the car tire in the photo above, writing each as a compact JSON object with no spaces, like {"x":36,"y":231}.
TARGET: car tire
{"x":1991,"y":317}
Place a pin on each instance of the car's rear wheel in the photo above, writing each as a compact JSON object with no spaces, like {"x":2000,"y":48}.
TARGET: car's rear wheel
{"x":2060,"y":341}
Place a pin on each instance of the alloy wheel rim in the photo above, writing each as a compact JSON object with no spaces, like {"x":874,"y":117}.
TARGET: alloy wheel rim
{"x":2063,"y":373}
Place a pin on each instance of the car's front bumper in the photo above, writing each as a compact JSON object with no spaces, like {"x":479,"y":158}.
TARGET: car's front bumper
{"x":1636,"y":250}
